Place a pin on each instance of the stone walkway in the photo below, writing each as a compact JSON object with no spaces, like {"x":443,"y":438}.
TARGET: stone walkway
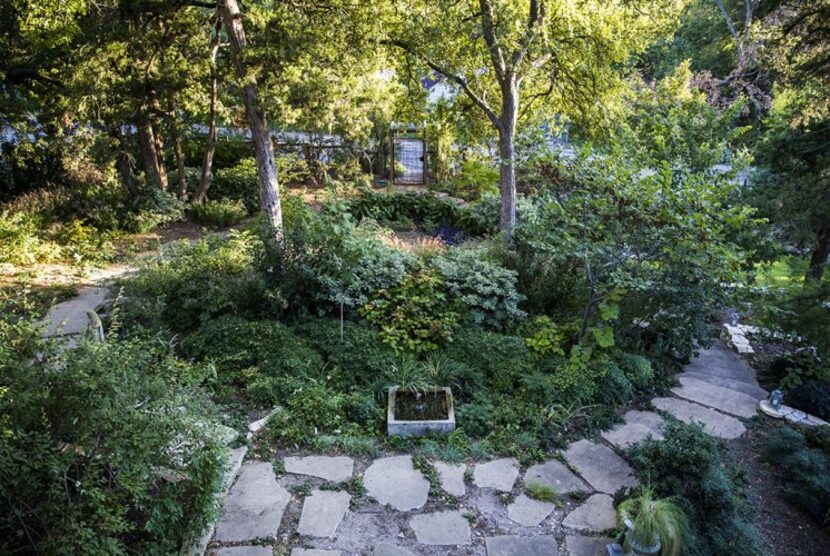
{"x":480,"y":509}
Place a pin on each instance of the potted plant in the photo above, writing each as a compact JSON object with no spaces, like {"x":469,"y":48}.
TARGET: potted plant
{"x":416,"y":405}
{"x":654,"y":525}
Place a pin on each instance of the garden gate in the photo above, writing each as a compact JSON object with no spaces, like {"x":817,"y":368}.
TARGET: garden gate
{"x":408,"y":157}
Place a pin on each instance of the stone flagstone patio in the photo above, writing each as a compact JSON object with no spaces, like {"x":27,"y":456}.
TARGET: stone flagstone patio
{"x":477,"y":509}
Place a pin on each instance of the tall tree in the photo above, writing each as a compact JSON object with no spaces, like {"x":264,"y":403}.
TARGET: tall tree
{"x":521,"y":51}
{"x":269,"y":192}
{"x":796,"y":145}
{"x":210,"y":141}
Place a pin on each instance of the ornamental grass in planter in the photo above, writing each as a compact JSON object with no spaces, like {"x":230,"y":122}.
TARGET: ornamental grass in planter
{"x":654,"y":526}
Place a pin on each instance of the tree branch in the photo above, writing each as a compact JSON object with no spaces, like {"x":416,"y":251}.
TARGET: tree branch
{"x":454,"y":77}
{"x":488,"y":26}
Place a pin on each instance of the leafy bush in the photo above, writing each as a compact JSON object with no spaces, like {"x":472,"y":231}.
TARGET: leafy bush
{"x":192,"y":284}
{"x":237,"y":183}
{"x":414,"y":316}
{"x":425,"y":210}
{"x":487,"y":290}
{"x":805,"y":471}
{"x":222,"y":213}
{"x":361,"y":357}
{"x":21,"y":242}
{"x":264,"y":357}
{"x":476,"y":178}
{"x":637,"y":369}
{"x":154,"y":208}
{"x":687,"y":465}
{"x":105,"y":450}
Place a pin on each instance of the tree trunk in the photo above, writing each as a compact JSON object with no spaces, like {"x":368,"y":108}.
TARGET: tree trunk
{"x":210,"y":142}
{"x":818,"y":260}
{"x":147,"y":146}
{"x":269,"y":193}
{"x":507,"y":163}
{"x":122,"y":160}
{"x":158,"y":140}
{"x":177,"y":145}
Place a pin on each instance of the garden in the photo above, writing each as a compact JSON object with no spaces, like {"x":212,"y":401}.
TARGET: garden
{"x":553,"y":341}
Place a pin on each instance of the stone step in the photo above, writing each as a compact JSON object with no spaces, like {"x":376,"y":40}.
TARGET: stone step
{"x":715,"y":423}
{"x":604,"y":470}
{"x":750,"y":389}
{"x":717,"y":397}
{"x":721,"y":361}
{"x":638,"y":426}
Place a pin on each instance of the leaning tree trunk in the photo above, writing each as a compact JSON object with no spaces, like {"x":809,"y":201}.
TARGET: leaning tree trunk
{"x":147,"y":147}
{"x":122,"y":160}
{"x":177,"y":145}
{"x":507,"y":162}
{"x":210,"y":142}
{"x":818,"y":260}
{"x":269,"y":193}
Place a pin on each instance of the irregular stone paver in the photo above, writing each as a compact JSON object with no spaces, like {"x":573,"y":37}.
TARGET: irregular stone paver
{"x":529,"y":512}
{"x":241,"y":551}
{"x":323,"y":511}
{"x":313,"y":552}
{"x":723,"y":399}
{"x":717,"y":424}
{"x":254,"y":506}
{"x":441,"y":528}
{"x":70,"y":317}
{"x":394,"y":481}
{"x":579,"y":545}
{"x":556,"y":475}
{"x":594,"y":516}
{"x":721,"y":361}
{"x":498,"y":474}
{"x":386,"y":549}
{"x":600,"y":466}
{"x":638,"y":426}
{"x":334,"y":469}
{"x":452,"y":477}
{"x":510,"y":545}
{"x":749,"y":389}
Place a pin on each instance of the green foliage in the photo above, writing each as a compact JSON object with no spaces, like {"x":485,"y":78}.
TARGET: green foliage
{"x":237,"y":183}
{"x":192,"y":284}
{"x":687,"y":465}
{"x":361,"y":357}
{"x":91,"y":456}
{"x":804,"y":470}
{"x":222,"y":213}
{"x":654,"y":518}
{"x":414,"y":316}
{"x":475,"y":178}
{"x":22,"y":244}
{"x":545,"y":337}
{"x":383,"y":207}
{"x":486,"y":289}
{"x":608,"y":245}
{"x":637,"y":369}
{"x":263,"y":357}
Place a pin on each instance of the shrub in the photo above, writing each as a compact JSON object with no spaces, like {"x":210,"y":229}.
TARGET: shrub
{"x":805,"y":471}
{"x":361,"y":357}
{"x":154,"y":208}
{"x":637,"y":369}
{"x":487,"y":290}
{"x":476,"y":178}
{"x":813,"y":397}
{"x":21,"y":242}
{"x":91,"y":439}
{"x":486,"y":357}
{"x":222,"y":213}
{"x":687,"y":465}
{"x":192,"y":284}
{"x":414,"y":316}
{"x":237,"y":183}
{"x":265,"y":357}
{"x":425,"y":210}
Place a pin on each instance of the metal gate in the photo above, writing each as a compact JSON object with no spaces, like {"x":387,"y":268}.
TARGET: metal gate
{"x":409,"y":160}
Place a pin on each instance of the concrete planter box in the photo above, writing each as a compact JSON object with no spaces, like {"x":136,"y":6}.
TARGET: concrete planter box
{"x":402,"y":427}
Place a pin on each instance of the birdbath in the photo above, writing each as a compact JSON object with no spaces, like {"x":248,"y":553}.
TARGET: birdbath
{"x":417,"y":412}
